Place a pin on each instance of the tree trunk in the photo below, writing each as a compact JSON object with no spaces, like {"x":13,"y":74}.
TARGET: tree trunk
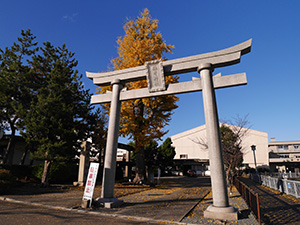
{"x":45,"y":178}
{"x":140,"y":166}
{"x":22,"y":161}
{"x":229,"y":178}
{"x":140,"y":173}
{"x":8,"y":155}
{"x":150,"y":175}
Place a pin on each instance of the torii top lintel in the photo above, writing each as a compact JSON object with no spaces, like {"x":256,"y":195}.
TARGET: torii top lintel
{"x":219,"y":58}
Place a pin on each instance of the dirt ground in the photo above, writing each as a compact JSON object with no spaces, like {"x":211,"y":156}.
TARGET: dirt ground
{"x":28,"y":188}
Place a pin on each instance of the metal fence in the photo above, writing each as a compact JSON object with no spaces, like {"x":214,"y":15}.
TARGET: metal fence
{"x":251,"y":198}
{"x":285,"y":175}
{"x":286,"y":186}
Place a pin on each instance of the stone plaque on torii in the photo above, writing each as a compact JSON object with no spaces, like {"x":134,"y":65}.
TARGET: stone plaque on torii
{"x":154,"y":72}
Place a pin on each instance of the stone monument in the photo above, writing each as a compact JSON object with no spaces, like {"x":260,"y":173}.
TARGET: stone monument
{"x":83,"y":164}
{"x":154,"y":72}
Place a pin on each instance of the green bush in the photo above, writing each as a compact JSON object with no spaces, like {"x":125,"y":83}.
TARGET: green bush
{"x":5,"y":175}
{"x":60,"y":173}
{"x":19,"y":171}
{"x":37,"y":171}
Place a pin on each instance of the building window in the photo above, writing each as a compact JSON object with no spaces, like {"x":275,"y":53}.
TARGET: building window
{"x":296,"y":147}
{"x":284,"y":156}
{"x":183,"y":156}
{"x":282,"y":147}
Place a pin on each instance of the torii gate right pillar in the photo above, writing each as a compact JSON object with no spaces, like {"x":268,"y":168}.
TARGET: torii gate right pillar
{"x":220,"y":208}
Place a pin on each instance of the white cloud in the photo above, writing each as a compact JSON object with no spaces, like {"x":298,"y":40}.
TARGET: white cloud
{"x":71,"y":18}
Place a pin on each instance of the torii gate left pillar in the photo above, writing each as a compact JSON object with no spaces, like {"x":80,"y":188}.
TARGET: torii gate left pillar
{"x":109,"y":170}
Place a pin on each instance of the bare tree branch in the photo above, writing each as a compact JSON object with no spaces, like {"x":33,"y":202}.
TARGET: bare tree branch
{"x":200,"y":141}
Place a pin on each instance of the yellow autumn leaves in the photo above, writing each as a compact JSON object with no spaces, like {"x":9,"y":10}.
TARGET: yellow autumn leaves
{"x":142,"y":119}
{"x":141,"y":43}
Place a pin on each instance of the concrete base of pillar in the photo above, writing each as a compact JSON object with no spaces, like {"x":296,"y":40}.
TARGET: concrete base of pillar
{"x":109,"y":202}
{"x":221,"y":213}
{"x":85,"y":203}
{"x":78,"y":183}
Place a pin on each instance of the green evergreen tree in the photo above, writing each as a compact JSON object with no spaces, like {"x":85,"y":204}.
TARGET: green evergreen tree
{"x":97,"y":122}
{"x":58,"y":117}
{"x":16,"y":88}
{"x":43,"y":97}
{"x":156,"y":156}
{"x":166,"y":153}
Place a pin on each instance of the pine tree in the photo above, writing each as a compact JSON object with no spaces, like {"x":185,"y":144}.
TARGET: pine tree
{"x":143,"y":120}
{"x":16,"y":88}
{"x":57,"y":119}
{"x":166,"y":153}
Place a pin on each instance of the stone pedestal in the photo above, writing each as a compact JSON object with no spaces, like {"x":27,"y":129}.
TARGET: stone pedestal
{"x":85,"y":203}
{"x":127,"y":167}
{"x":110,"y":202}
{"x":221,"y":213}
{"x":83,"y":164}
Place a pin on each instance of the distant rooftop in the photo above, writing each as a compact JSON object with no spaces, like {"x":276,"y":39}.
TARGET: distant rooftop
{"x":273,"y":140}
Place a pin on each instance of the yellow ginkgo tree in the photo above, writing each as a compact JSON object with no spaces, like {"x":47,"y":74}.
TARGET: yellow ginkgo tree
{"x":142,"y":120}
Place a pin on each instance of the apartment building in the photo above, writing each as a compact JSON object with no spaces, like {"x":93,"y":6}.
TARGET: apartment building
{"x":284,"y":156}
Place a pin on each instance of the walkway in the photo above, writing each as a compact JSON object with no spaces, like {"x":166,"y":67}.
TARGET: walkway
{"x":275,"y":208}
{"x":177,"y":200}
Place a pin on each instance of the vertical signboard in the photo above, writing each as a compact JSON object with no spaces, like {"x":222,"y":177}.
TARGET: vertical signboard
{"x":90,"y":182}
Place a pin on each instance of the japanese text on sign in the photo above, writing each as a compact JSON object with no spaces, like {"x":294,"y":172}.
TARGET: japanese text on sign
{"x":91,"y":182}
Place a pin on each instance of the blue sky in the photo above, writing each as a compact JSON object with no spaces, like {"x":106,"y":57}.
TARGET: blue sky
{"x":90,"y":29}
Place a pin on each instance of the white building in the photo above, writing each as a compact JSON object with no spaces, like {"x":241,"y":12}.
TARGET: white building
{"x":191,"y":151}
{"x":122,"y":154}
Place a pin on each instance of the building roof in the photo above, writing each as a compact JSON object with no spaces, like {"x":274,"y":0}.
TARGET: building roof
{"x":188,"y":132}
{"x":284,"y":143}
{"x":203,"y":127}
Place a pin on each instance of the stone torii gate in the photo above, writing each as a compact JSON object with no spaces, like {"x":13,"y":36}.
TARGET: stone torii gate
{"x":154,"y":72}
